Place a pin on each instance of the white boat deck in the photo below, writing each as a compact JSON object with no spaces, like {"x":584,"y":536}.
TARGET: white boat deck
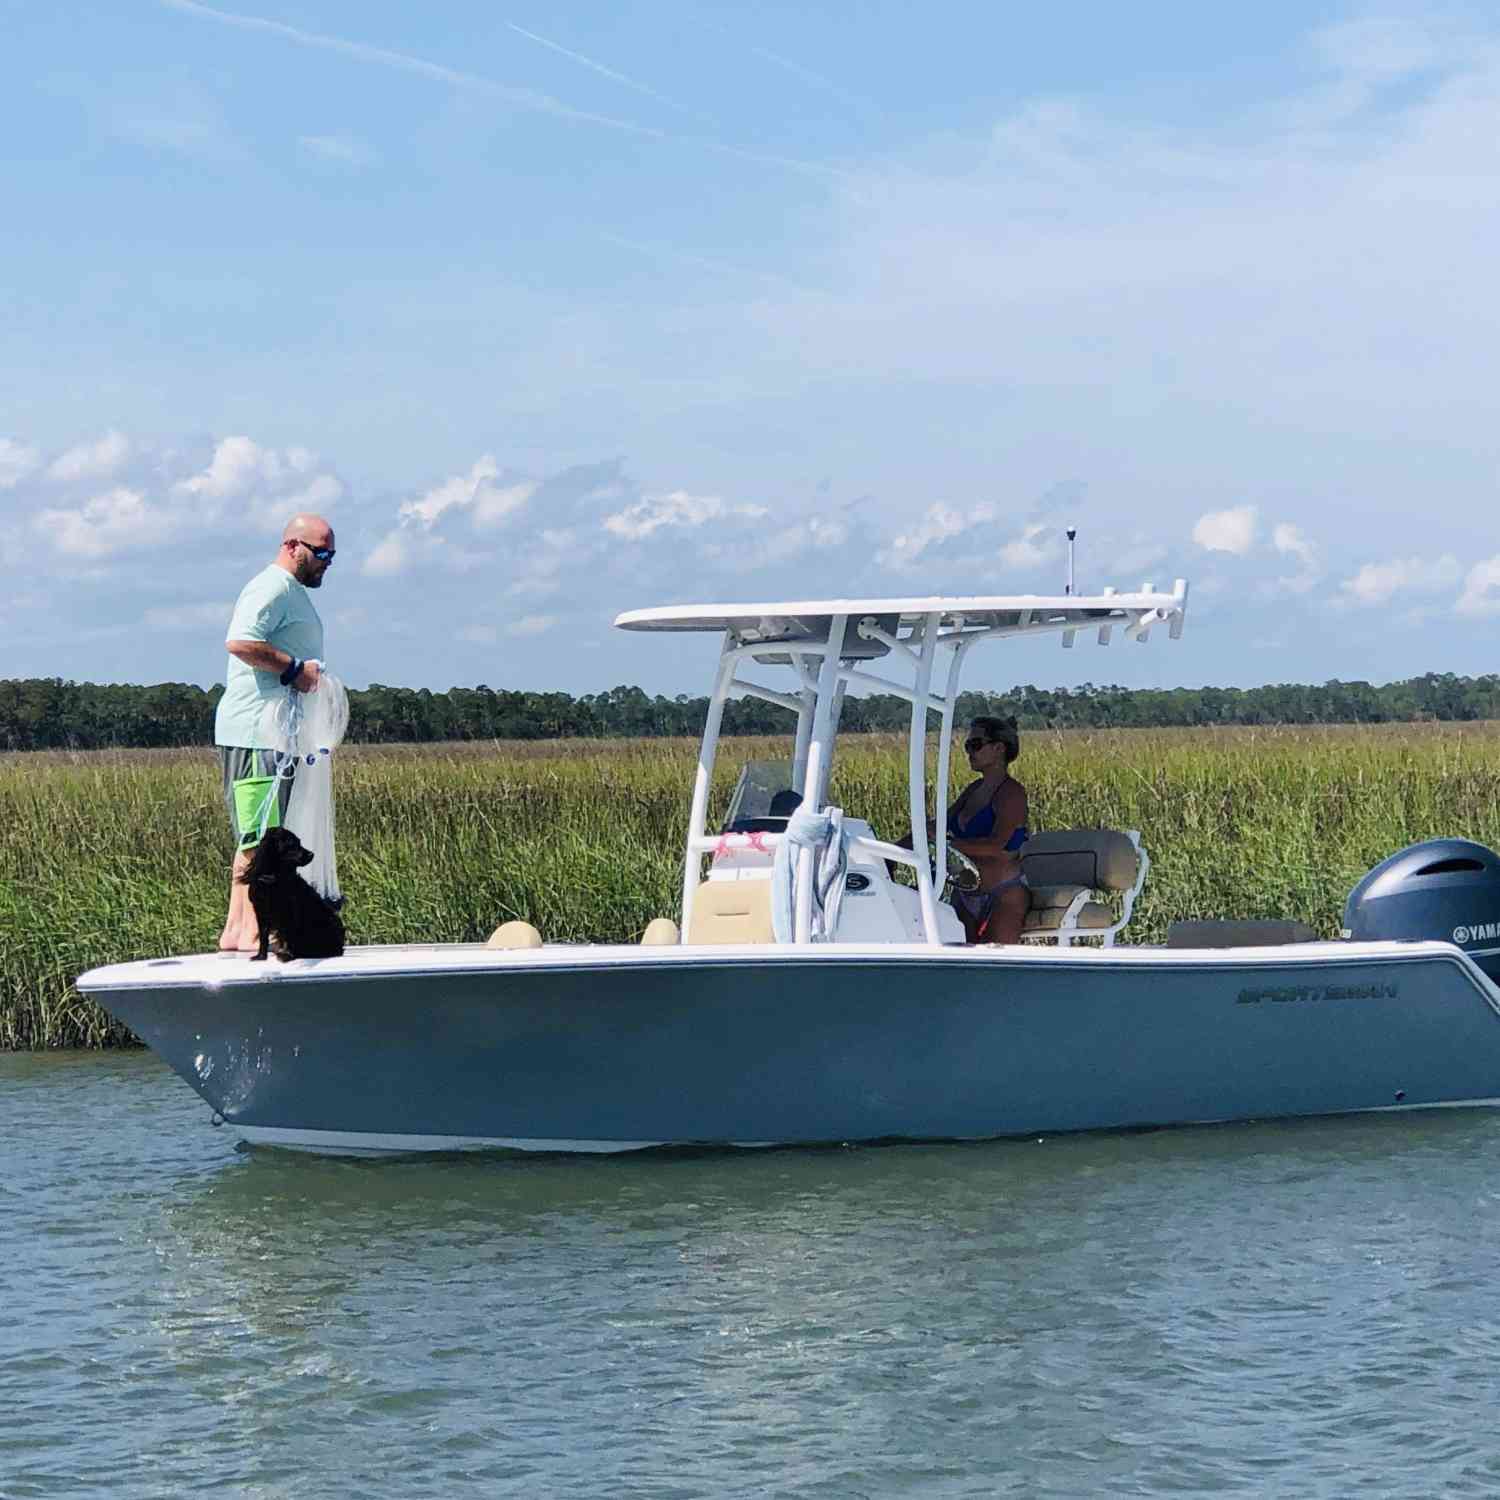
{"x":215,"y":970}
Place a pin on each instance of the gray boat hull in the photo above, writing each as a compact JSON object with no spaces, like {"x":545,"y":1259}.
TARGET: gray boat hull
{"x":611,"y":1049}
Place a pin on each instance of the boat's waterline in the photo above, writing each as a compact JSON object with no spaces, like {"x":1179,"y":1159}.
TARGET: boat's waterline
{"x":373,"y":1145}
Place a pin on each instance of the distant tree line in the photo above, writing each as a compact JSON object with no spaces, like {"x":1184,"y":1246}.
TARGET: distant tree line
{"x":46,"y":713}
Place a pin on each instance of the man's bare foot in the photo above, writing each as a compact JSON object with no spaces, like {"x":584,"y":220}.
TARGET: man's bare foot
{"x":239,"y":940}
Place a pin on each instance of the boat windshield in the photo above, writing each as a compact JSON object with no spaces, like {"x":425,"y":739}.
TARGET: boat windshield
{"x":763,"y":798}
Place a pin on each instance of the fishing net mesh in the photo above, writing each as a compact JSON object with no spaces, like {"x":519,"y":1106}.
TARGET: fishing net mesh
{"x":304,"y":729}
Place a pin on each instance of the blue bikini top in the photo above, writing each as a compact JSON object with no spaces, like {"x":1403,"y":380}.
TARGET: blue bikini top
{"x":982,"y":825}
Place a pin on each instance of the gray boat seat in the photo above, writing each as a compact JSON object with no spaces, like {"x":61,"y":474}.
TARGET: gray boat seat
{"x":1050,"y":905}
{"x":1065,"y":870}
{"x":1247,"y":934}
{"x":731,"y":911}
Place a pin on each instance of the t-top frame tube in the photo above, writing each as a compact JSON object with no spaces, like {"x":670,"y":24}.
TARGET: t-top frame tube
{"x":822,"y":678}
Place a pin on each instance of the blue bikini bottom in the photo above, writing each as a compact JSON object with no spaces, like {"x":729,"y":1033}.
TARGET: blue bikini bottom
{"x":979,"y":906}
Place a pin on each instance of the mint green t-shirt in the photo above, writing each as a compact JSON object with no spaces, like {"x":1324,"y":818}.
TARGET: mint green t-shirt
{"x":272,"y":607}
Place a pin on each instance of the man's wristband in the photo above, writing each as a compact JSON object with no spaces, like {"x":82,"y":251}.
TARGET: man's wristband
{"x":293,"y":672}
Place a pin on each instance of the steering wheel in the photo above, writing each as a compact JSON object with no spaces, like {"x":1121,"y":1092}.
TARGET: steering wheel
{"x":963,"y":873}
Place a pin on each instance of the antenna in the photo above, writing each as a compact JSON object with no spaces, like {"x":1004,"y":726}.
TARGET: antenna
{"x":1072,"y":535}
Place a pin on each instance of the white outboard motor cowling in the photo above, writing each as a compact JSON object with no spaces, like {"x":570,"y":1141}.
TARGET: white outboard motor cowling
{"x":1443,"y":889}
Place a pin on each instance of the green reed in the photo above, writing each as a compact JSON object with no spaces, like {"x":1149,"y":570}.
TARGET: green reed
{"x":119,"y":855}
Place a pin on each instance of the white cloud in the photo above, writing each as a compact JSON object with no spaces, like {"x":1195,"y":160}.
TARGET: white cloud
{"x":1035,"y":545}
{"x":531,"y":625}
{"x":99,"y":460}
{"x":112,"y":522}
{"x":408,"y":548}
{"x":483,"y":635}
{"x":460,"y":490}
{"x":322,"y":494}
{"x":1375,"y":583}
{"x":418,"y":535}
{"x":121,"y":492}
{"x":236,"y":465}
{"x":940,"y":524}
{"x":17,"y":461}
{"x":271,"y":485}
{"x":678,"y":509}
{"x":1219,"y":270}
{"x":775,"y":545}
{"x":494,"y":505}
{"x":475,"y":491}
{"x":422,"y":521}
{"x":1227,"y":530}
{"x":1481,"y":593}
{"x":1290,"y":541}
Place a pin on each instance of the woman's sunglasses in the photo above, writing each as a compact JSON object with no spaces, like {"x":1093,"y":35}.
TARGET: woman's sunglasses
{"x":323,"y":554}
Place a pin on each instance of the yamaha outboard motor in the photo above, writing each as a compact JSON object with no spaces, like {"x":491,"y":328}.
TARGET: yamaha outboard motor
{"x":1444,"y":889}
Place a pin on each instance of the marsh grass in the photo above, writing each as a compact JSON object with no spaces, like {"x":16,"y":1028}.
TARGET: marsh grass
{"x":114,"y":855}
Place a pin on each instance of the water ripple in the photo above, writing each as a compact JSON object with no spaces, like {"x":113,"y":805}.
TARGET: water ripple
{"x":1303,"y":1309}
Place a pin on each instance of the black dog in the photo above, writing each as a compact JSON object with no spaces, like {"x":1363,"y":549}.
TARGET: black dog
{"x":306,"y":926}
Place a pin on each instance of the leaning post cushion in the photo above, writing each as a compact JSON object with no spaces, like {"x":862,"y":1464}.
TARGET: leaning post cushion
{"x":1065,"y":868}
{"x":731,"y":911}
{"x":1100,"y":858}
{"x":1056,"y":906}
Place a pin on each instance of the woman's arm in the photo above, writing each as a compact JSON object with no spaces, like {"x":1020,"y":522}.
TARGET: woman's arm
{"x":905,"y":842}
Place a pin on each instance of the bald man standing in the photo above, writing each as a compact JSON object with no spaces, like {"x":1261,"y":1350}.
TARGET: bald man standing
{"x":275,"y":641}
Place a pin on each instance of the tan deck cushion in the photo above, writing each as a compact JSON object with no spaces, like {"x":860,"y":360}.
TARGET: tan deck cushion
{"x":661,"y":932}
{"x":515,"y":935}
{"x":1253,"y":934}
{"x":1091,"y":915}
{"x":1041,"y":896}
{"x":1099,"y":858}
{"x":731,"y":911}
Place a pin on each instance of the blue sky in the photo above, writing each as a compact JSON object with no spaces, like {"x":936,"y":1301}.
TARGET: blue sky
{"x":556,"y":312}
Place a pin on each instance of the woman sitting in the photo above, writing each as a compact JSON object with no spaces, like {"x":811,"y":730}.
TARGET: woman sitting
{"x":988,"y":824}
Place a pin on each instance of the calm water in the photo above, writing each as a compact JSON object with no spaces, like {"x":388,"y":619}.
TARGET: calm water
{"x":1308,"y":1309}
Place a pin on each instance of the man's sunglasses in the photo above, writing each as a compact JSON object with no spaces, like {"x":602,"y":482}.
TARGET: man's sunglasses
{"x":323,"y":554}
{"x":970,"y":746}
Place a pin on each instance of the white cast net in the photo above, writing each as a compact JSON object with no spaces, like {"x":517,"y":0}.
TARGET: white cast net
{"x":305,"y":729}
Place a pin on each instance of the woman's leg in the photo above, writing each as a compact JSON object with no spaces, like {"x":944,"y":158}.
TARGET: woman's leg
{"x":1008,"y":919}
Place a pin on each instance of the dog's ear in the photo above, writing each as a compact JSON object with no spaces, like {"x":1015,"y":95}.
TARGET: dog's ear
{"x":265,"y":880}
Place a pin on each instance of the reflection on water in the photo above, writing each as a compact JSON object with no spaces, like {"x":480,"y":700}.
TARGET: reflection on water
{"x":1302,"y":1308}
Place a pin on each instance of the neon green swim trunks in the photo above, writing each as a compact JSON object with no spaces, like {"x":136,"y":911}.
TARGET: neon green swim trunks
{"x":249,"y":783}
